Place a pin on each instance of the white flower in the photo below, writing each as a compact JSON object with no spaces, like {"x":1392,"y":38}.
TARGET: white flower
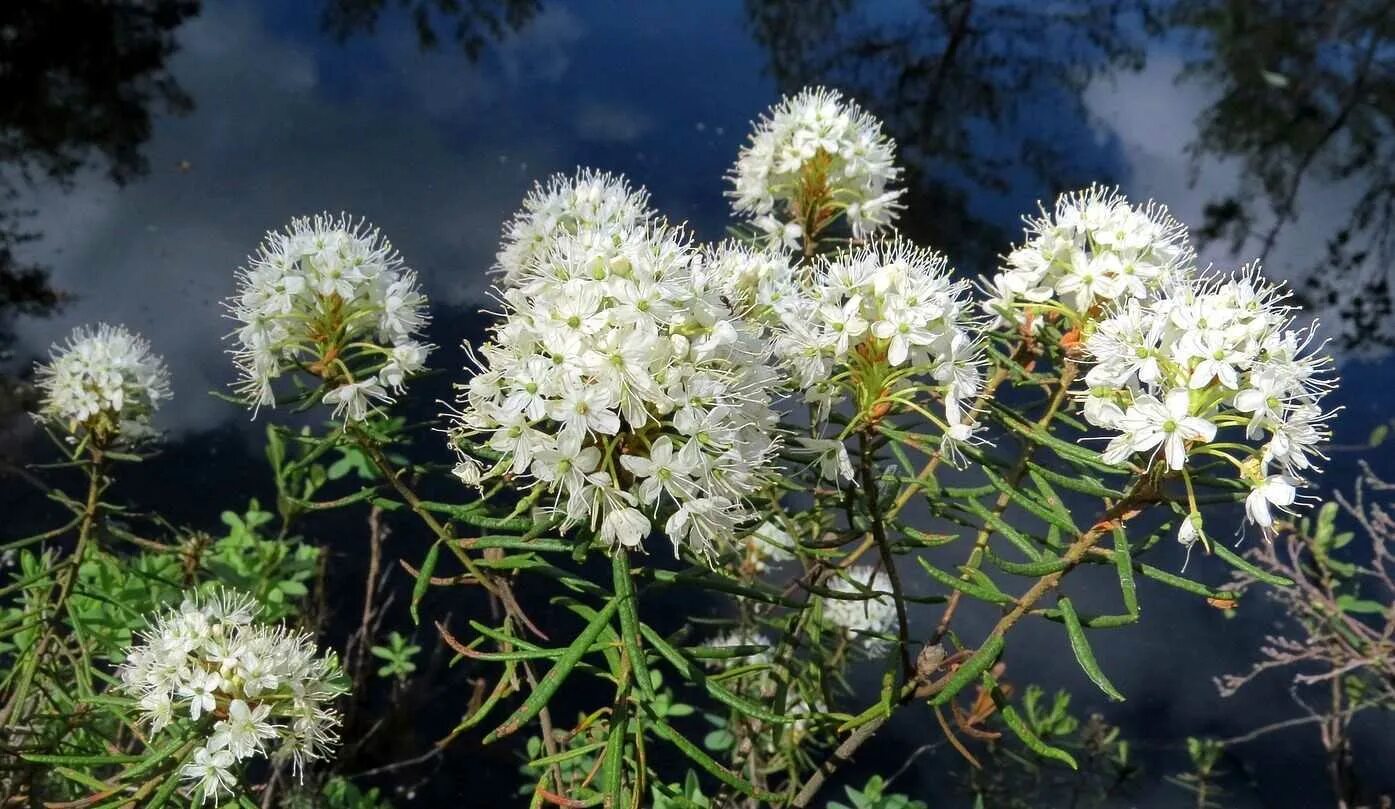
{"x":589,"y":200}
{"x":329,"y":295}
{"x":1093,"y":249}
{"x":1274,"y":490}
{"x":268,"y":684}
{"x":1206,"y":357}
{"x":244,"y":729}
{"x":623,"y":382}
{"x":832,"y":457}
{"x":626,"y":527}
{"x":355,"y":398}
{"x":1149,"y":423}
{"x":891,"y":304}
{"x":868,"y":612}
{"x":816,"y":152}
{"x":103,"y":380}
{"x":209,"y":771}
{"x":201,"y":690}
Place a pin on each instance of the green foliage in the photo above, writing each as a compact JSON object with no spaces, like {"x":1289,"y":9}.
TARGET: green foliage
{"x":277,"y":572}
{"x":873,"y":795}
{"x":397,"y":656}
{"x":340,"y":793}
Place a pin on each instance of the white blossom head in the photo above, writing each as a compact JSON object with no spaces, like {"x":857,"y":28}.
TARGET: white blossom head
{"x":209,"y":671}
{"x":865,"y":608}
{"x":621,"y":382}
{"x":1093,"y":250}
{"x":761,"y":283}
{"x":1213,"y":360}
{"x":331,"y":297}
{"x":874,"y":321}
{"x":567,"y":205}
{"x":102,"y":382}
{"x":812,"y":158}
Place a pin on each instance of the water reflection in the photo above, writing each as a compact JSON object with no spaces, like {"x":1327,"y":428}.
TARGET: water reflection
{"x":985,"y":100}
{"x":67,"y":109}
{"x":471,"y":24}
{"x":1304,"y":97}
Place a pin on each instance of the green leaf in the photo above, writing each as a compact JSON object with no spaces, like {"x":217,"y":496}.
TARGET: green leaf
{"x":970,"y":670}
{"x":1378,"y":435}
{"x":1019,"y":728}
{"x":1123,"y":565}
{"x":967,"y":588}
{"x":1240,"y":563}
{"x":693,"y":674}
{"x":1352,"y":604}
{"x":423,"y":582}
{"x":555,"y":676}
{"x":629,"y":622}
{"x":665,"y":731}
{"x":1084,"y":655}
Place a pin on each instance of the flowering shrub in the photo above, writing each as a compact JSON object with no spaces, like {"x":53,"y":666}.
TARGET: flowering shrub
{"x":779,"y":407}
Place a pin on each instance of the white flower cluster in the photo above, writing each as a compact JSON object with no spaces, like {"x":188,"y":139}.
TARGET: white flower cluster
{"x":621,"y":381}
{"x":103,"y":380}
{"x":588,"y":200}
{"x":330,"y":296}
{"x":1095,"y":249}
{"x":812,"y":157}
{"x":1212,"y":354}
{"x":246,"y":686}
{"x":868,"y":614}
{"x":767,"y":545}
{"x":762,"y":283}
{"x":879,"y":319}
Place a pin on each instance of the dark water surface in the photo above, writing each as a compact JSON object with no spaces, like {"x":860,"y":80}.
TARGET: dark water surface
{"x":147,"y":146}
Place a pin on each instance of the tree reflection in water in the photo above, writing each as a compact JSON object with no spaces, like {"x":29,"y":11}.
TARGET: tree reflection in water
{"x":1304,"y":99}
{"x":987,"y":96}
{"x":82,"y":82}
{"x":982,"y":98}
{"x":472,"y":24}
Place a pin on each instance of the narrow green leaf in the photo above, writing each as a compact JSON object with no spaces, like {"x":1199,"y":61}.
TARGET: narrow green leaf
{"x":629,"y":622}
{"x":966,"y":587}
{"x":694,"y":674}
{"x":710,"y":582}
{"x":1020,"y":728}
{"x":1249,"y":568}
{"x":613,"y":763}
{"x":700,"y":758}
{"x":78,"y":761}
{"x":565,"y":755}
{"x":1084,"y":484}
{"x":1034,"y":569}
{"x":1123,"y":564}
{"x":1024,"y":543}
{"x":555,"y":676}
{"x":1084,"y":655}
{"x":1026,"y":501}
{"x":970,"y":670}
{"x":423,"y":582}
